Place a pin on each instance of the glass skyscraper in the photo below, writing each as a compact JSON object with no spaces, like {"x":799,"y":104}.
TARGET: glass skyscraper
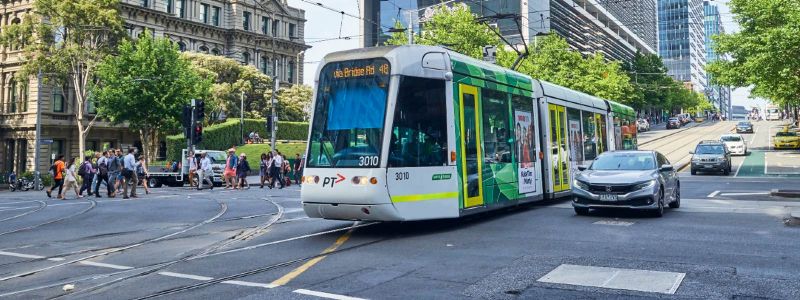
{"x":720,"y":96}
{"x":681,"y":41}
{"x":588,"y":26}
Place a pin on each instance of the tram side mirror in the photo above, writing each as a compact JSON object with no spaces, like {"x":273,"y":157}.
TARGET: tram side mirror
{"x":665,"y":168}
{"x":581,"y":168}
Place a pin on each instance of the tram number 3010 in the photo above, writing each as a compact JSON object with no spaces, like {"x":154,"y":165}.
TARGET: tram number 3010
{"x":401,"y":176}
{"x":368,"y":161}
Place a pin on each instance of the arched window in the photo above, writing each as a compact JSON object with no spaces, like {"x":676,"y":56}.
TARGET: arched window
{"x":181,"y":46}
{"x":264,"y":65}
{"x":203,"y":49}
{"x":215,"y":51}
{"x":245,"y":58}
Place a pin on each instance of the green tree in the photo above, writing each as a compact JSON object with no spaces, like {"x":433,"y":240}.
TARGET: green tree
{"x":230,"y":78}
{"x":146,"y":85}
{"x":66,"y":40}
{"x":294,"y":103}
{"x":454,"y":27}
{"x":764,"y":53}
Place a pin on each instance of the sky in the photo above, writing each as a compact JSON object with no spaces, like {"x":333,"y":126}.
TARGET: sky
{"x":326,"y":32}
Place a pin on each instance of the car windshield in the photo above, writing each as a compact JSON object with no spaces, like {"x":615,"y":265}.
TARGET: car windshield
{"x":347,"y":127}
{"x":709,"y":149}
{"x":731,"y":138}
{"x":673,"y":119}
{"x":216,"y":157}
{"x":786,"y":133}
{"x":624,"y":161}
{"x":744,"y":123}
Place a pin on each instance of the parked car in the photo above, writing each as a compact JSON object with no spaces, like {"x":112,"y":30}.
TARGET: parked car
{"x":683,"y":118}
{"x":786,"y":140}
{"x":711,"y":156}
{"x":744,"y":127}
{"x":674,"y":123}
{"x":638,"y":180}
{"x":735,"y":144}
{"x":642,"y":125}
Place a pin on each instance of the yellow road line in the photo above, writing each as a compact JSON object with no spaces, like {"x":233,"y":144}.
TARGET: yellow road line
{"x":299,"y":270}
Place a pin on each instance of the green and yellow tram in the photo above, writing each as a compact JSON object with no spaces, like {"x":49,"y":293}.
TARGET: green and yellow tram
{"x":421,"y":132}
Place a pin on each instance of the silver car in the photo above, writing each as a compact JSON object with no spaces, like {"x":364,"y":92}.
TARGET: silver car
{"x":640,"y":180}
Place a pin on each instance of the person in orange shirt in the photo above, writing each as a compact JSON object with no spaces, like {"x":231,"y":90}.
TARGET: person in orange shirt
{"x":58,"y":177}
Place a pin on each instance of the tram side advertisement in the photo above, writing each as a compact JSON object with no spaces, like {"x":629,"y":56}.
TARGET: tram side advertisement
{"x":524,"y":134}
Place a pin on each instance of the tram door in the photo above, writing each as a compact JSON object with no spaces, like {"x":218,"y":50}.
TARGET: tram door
{"x":559,"y":151}
{"x":471,"y":177}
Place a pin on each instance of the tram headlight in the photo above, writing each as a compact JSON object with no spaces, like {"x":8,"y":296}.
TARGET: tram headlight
{"x":311,"y":179}
{"x":364,"y":180}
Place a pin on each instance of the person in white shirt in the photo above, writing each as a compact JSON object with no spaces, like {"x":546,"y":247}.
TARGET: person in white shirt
{"x":71,"y":180}
{"x":129,"y":173}
{"x":205,"y":172}
{"x":190,"y":160}
{"x":275,"y":168}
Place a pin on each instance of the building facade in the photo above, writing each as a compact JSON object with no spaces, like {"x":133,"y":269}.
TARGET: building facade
{"x":587,"y":25}
{"x":268,"y":34}
{"x":720,"y":96}
{"x":640,"y":16}
{"x":682,"y":41}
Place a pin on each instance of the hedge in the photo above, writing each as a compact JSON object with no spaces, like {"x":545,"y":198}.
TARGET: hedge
{"x":223,"y":136}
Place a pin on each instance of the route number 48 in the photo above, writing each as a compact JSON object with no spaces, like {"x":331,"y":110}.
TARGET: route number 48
{"x":368,"y":161}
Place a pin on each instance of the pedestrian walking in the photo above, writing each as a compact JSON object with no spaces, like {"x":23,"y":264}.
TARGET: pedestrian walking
{"x":129,"y":175}
{"x":102,"y":175}
{"x":70,"y":180}
{"x":57,"y":172}
{"x":87,"y":173}
{"x":275,"y":169}
{"x":241,"y":171}
{"x":114,"y":171}
{"x":205,"y":172}
{"x":191,"y":161}
{"x":142,"y":174}
{"x":230,"y":169}
{"x":298,"y":168}
{"x":263,"y":168}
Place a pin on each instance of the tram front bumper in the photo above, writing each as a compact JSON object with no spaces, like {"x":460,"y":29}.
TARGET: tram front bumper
{"x":338,"y":211}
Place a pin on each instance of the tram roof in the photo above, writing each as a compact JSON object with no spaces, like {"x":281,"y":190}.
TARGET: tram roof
{"x":559,"y":92}
{"x":622,"y":109}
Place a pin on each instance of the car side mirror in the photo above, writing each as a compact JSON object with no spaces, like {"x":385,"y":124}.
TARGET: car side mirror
{"x":581,"y":168}
{"x":665,"y":168}
{"x":691,"y":152}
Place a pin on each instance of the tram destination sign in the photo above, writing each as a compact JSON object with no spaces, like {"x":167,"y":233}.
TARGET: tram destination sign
{"x":361,"y":68}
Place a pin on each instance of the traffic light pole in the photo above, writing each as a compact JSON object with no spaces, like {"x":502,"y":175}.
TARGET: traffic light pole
{"x":273,"y":116}
{"x":190,"y":140}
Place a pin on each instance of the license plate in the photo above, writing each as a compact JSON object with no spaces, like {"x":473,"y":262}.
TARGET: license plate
{"x":608,"y":197}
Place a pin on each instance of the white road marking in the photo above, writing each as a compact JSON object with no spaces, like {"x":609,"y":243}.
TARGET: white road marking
{"x":56,"y":259}
{"x":247,"y":283}
{"x":104,"y":265}
{"x":21,"y":255}
{"x":713,"y":194}
{"x":616,"y":278}
{"x":18,"y":208}
{"x":745,"y":194}
{"x":739,"y":168}
{"x":613,"y":223}
{"x":325,"y":295}
{"x":186,"y":276}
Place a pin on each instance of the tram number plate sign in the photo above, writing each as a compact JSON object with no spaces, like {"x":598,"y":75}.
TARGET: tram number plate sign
{"x":608,"y":197}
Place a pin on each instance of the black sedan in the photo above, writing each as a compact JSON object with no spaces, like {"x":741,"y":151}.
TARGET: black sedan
{"x":674,"y":123}
{"x":744,"y":127}
{"x":639,"y":180}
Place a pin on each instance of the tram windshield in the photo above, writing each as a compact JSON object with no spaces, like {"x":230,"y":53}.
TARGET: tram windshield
{"x":347,"y":127}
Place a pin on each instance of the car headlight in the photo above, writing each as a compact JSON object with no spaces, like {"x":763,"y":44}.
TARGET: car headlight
{"x":695,"y":159}
{"x":721,"y":159}
{"x":580,"y":184}
{"x":644,"y":185}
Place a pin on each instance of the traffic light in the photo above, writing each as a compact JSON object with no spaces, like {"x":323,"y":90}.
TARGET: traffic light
{"x":269,"y":124}
{"x":186,"y":120}
{"x":200,"y":111}
{"x":198,"y":133}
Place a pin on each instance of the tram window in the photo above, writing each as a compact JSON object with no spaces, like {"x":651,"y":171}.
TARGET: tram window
{"x":603,"y":133}
{"x":589,"y":136}
{"x":575,"y":134}
{"x":419,"y":130}
{"x":496,"y":129}
{"x":526,"y":137}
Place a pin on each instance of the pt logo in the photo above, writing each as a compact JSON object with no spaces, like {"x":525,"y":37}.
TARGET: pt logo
{"x":332,"y":180}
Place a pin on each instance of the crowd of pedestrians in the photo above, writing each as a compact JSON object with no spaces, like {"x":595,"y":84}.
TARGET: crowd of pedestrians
{"x":273,"y":170}
{"x":118,"y":172}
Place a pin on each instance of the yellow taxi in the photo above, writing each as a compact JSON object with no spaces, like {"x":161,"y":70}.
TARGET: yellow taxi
{"x":786,"y":139}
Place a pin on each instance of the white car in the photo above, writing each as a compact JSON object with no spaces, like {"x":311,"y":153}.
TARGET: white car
{"x":642,"y":125}
{"x":735,"y":144}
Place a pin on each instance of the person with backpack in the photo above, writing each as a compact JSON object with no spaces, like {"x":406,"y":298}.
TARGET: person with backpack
{"x":115,"y":171}
{"x":102,"y":175}
{"x":241,"y":171}
{"x":87,"y":172}
{"x":70,"y":179}
{"x":57,"y":172}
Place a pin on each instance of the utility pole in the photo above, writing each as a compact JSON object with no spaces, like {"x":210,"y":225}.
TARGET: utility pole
{"x":37,"y":179}
{"x":241,"y":119}
{"x":190,"y":140}
{"x":411,"y":27}
{"x":273,"y":115}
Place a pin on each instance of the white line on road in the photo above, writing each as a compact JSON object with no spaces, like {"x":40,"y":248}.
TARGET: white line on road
{"x":325,"y":295}
{"x":713,"y":194}
{"x":21,"y":255}
{"x":745,"y":194}
{"x":253,"y":284}
{"x":104,"y":265}
{"x":18,"y":208}
{"x":186,"y":276}
{"x":739,"y":168}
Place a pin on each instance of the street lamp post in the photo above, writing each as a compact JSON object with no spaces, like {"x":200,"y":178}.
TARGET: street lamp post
{"x":241,"y":118}
{"x":37,"y":179}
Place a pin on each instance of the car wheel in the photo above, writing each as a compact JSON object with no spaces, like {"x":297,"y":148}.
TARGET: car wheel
{"x":676,"y":203}
{"x":581,"y":211}
{"x":153,"y":183}
{"x":659,"y":212}
{"x":727,"y":170}
{"x":694,"y":172}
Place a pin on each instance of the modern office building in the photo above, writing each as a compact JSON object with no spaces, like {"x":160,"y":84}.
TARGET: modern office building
{"x":720,"y":96}
{"x":681,"y":41}
{"x":268,"y":34}
{"x":587,"y":25}
{"x":638,"y":15}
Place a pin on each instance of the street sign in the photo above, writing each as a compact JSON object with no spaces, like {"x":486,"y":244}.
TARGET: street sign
{"x":47,"y":142}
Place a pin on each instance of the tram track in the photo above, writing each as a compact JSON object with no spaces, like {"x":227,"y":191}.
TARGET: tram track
{"x":92,"y":205}
{"x":687,"y":141}
{"x":42,"y":205}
